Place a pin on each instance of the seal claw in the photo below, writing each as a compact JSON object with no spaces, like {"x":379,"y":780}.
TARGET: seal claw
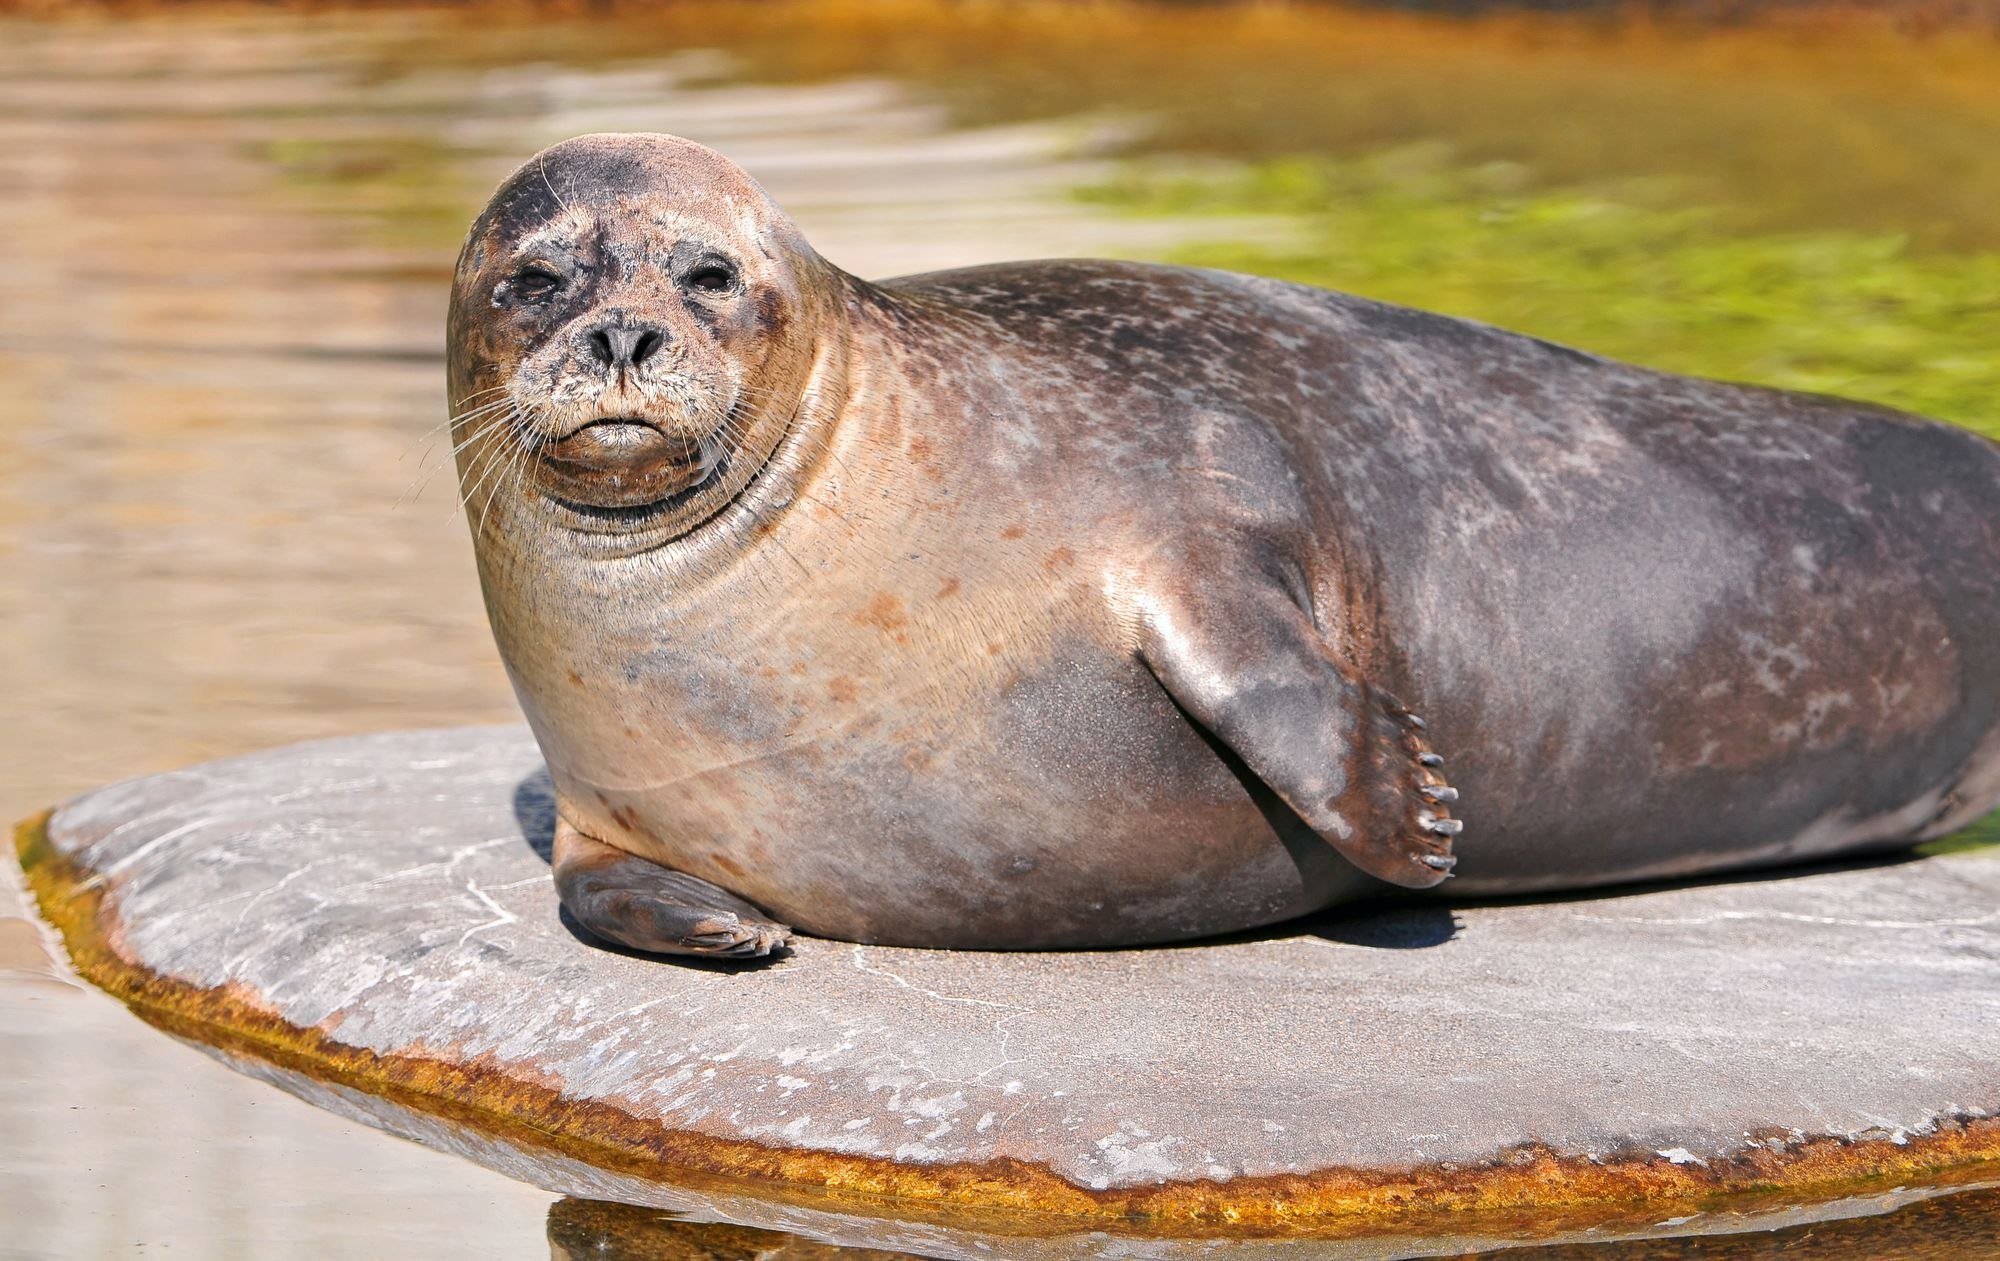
{"x":1413,"y":799}
{"x":738,"y":940}
{"x":630,"y":900}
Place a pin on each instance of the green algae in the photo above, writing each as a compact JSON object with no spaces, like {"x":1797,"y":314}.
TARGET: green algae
{"x":1617,"y":268}
{"x":1983,"y":836}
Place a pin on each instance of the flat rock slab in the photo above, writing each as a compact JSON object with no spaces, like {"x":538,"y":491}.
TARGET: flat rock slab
{"x":371,"y":922}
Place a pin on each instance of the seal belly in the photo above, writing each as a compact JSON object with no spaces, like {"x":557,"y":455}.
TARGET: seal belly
{"x":1072,"y":806}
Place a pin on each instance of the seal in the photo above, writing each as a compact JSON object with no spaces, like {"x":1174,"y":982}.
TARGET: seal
{"x":1083,"y":604}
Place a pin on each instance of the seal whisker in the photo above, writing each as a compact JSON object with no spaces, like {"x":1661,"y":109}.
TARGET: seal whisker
{"x":488,"y":462}
{"x":544,"y":167}
{"x":489,"y":425}
{"x":461,"y":405}
{"x":523,"y":461}
{"x":460,"y":409}
{"x":482,"y":466}
{"x":458,"y":416}
{"x":428,"y":470}
{"x":486,"y":426}
{"x":510,"y":462}
{"x":519,"y":480}
{"x":479,"y":414}
{"x":498,"y":458}
{"x":428,"y":436}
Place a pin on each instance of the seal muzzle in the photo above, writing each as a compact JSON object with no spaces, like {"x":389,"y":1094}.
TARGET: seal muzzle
{"x":624,"y":462}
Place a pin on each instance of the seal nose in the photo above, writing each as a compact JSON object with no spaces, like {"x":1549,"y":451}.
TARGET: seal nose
{"x":621,"y":346}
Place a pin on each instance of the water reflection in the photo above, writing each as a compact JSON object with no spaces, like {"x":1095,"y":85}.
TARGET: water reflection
{"x":599,"y":1230}
{"x":1949,"y":1228}
{"x":1957,"y":1227}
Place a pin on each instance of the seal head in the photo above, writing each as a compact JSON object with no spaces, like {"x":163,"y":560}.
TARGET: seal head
{"x":630,"y":335}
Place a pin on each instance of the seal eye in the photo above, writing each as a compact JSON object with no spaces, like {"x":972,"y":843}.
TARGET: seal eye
{"x":534,"y":283}
{"x":713,"y":276}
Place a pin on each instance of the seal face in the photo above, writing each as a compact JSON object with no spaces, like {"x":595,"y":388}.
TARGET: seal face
{"x":1083,"y":604}
{"x":619,"y":346}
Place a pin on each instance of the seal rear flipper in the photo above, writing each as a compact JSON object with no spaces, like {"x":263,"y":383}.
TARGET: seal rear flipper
{"x":1350,"y":760}
{"x":634,"y":902}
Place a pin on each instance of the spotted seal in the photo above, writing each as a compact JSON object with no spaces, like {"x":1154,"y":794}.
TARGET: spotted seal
{"x":1074,"y":604}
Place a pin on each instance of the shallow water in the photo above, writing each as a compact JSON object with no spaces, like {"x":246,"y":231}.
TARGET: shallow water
{"x":227,"y":241}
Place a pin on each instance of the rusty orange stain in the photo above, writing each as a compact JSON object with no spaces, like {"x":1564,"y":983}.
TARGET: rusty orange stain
{"x":1541,"y":1190}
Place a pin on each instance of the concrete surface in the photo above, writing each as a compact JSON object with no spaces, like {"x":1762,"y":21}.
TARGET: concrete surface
{"x":392,"y":893}
{"x":118,"y":1142}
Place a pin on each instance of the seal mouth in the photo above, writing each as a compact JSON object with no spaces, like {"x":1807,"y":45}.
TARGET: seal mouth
{"x":626,"y":463}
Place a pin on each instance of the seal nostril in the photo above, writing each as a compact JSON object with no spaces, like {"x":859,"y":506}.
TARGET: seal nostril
{"x":600,"y":345}
{"x":618,"y":347}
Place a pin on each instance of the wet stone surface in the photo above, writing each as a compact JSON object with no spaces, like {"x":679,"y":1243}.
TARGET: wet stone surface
{"x":393,"y":893}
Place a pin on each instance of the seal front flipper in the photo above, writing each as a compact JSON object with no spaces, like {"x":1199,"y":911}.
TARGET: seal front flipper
{"x":1350,"y":760}
{"x":627,"y":899}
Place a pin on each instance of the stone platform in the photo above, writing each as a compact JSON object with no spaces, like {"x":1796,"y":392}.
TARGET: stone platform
{"x":370,"y":923}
